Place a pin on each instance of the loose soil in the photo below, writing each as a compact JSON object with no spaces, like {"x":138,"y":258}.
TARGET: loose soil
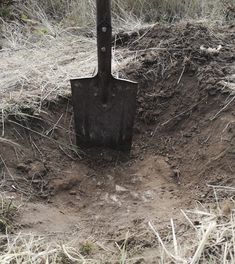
{"x":184,"y":141}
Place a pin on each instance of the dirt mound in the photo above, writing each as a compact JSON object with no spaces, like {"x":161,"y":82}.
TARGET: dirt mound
{"x":184,"y":140}
{"x":182,"y":71}
{"x":169,"y":56}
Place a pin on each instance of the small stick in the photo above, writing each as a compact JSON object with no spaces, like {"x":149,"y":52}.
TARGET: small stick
{"x":174,"y":238}
{"x":11,"y":143}
{"x":202,"y":244}
{"x":182,"y":73}
{"x":225,"y":188}
{"x":175,"y":258}
{"x":183,"y":113}
{"x":221,"y":110}
{"x":54,"y":127}
{"x":147,"y":31}
{"x":67,"y":154}
{"x":5,"y":165}
{"x":213,"y":159}
{"x":188,"y":219}
{"x":71,"y":147}
{"x":3,"y":124}
{"x":37,"y":148}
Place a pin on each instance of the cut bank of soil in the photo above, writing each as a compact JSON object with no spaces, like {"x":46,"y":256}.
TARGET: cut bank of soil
{"x":183,"y":141}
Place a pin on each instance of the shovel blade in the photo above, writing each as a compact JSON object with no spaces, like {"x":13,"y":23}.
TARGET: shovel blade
{"x":104,"y":125}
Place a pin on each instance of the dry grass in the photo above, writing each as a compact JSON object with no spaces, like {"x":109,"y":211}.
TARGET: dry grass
{"x":168,"y":10}
{"x":206,"y":236}
{"x":210,"y":240}
{"x":81,"y":13}
{"x":29,"y":249}
{"x":26,"y":23}
{"x":8,"y":210}
{"x":37,"y":38}
{"x":36,"y":73}
{"x":210,"y":234}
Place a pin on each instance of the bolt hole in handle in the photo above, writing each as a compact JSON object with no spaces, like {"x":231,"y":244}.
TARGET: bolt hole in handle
{"x":104,"y":47}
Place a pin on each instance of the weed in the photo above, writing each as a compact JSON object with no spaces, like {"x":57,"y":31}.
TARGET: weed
{"x":87,"y":248}
{"x":5,"y":12}
{"x":7,"y":212}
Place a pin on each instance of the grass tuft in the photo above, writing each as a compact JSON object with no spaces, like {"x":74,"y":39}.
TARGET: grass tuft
{"x":87,"y":248}
{"x":8,"y":211}
{"x":209,"y":237}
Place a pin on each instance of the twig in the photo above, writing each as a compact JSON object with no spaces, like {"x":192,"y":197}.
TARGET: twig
{"x":202,"y":244}
{"x":68,"y":154}
{"x":3,"y":124}
{"x":188,"y":219}
{"x":225,"y":188}
{"x":5,"y":165}
{"x":81,"y":258}
{"x":183,"y":113}
{"x":145,"y":33}
{"x":224,"y":108}
{"x":37,"y":148}
{"x":54,"y":127}
{"x":9,"y":142}
{"x":181,"y":75}
{"x":174,"y":238}
{"x":72,"y":147}
{"x":20,"y":190}
{"x":175,"y":258}
{"x":213,"y":159}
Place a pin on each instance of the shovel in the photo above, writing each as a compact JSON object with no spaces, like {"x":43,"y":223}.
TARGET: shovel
{"x":104,"y":106}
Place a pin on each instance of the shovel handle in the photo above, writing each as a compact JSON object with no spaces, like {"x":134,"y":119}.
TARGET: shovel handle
{"x":104,"y":39}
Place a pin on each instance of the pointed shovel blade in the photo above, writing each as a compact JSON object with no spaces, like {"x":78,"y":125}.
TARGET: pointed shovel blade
{"x":107,"y":125}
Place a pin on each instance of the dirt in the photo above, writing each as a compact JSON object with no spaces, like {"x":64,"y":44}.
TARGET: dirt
{"x":184,"y":141}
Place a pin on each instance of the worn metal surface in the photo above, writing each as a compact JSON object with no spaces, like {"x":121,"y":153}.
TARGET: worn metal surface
{"x":104,"y":107}
{"x":107,"y":125}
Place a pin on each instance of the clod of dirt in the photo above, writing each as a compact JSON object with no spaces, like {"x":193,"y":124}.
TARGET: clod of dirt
{"x":70,"y":178}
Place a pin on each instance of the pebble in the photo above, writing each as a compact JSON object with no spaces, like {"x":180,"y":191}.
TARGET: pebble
{"x":136,"y":178}
{"x":148,"y":195}
{"x":120,"y":189}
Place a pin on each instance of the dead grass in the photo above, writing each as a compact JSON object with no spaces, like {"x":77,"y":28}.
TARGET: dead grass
{"x":46,"y":59}
{"x":49,"y":16}
{"x":32,"y":75}
{"x":8,"y":211}
{"x":206,"y":236}
{"x":82,"y":13}
{"x":210,"y":229}
{"x":210,"y":238}
{"x":27,"y":249}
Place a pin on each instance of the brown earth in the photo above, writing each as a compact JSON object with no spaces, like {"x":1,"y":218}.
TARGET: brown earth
{"x":184,"y":141}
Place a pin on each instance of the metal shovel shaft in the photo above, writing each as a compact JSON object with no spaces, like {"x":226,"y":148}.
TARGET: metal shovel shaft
{"x":104,"y":46}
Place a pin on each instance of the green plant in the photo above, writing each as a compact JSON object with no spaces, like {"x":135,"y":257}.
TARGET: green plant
{"x":7,"y":212}
{"x":86,"y":248}
{"x":5,"y":8}
{"x":5,"y":12}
